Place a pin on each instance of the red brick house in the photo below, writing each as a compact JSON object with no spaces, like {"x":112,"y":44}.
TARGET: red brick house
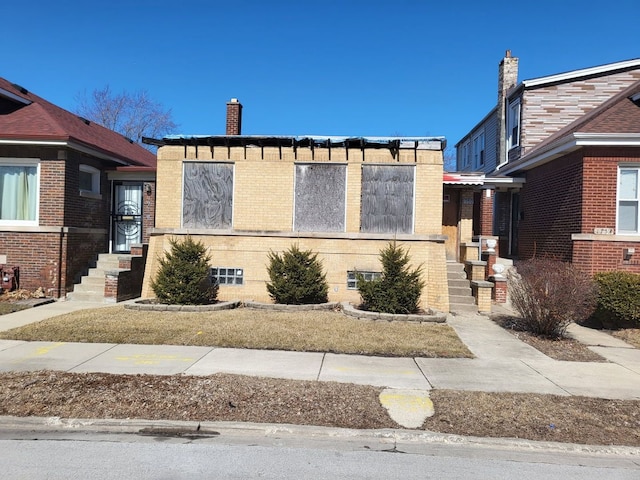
{"x":581,"y":200}
{"x":69,"y":190}
{"x":559,"y":154}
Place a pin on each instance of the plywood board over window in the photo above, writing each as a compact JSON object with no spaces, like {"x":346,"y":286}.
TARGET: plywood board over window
{"x":320,"y":198}
{"x":387,"y":199}
{"x":207,"y":200}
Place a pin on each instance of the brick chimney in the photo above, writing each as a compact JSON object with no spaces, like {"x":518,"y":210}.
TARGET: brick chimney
{"x":234,"y":117}
{"x":507,"y":79}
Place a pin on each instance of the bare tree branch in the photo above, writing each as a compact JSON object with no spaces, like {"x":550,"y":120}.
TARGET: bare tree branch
{"x":132,"y":114}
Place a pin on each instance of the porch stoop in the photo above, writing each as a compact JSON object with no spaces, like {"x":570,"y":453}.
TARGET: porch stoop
{"x":92,"y":286}
{"x":461,"y":299}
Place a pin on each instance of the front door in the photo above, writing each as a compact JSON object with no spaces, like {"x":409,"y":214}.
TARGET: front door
{"x":126,"y":216}
{"x":450,"y":216}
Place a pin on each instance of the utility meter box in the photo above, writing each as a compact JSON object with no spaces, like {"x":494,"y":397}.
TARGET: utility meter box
{"x":9,"y":277}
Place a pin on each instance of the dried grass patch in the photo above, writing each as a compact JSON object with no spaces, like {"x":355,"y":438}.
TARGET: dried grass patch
{"x":584,"y":420}
{"x":311,"y":331}
{"x":222,"y":397}
{"x":629,"y":335}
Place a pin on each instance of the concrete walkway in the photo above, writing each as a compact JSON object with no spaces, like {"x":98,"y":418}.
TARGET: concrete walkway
{"x":502,"y":364}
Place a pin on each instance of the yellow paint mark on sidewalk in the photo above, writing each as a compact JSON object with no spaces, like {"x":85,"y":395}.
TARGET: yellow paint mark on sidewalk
{"x":38,"y":352}
{"x":44,"y":350}
{"x":153,"y":359}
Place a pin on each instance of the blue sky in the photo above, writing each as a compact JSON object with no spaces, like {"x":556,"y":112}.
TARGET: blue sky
{"x":352,"y":67}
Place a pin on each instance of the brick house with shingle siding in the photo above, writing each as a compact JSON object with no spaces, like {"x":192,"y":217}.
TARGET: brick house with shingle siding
{"x":568,"y":137}
{"x":581,"y":198}
{"x":56,"y":188}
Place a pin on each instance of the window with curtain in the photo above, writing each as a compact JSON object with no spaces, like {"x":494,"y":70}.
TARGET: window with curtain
{"x":18,"y":193}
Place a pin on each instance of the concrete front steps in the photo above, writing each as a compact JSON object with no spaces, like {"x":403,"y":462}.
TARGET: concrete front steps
{"x":92,"y":286}
{"x":461,"y":299}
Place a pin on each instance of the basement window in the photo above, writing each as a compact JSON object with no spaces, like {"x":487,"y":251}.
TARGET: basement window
{"x":227,"y":276}
{"x":352,"y":278}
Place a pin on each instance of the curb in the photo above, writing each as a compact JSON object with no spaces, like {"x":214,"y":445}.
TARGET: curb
{"x":394,"y":437}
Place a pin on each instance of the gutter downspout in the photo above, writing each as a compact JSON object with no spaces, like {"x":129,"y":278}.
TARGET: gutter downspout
{"x":60,"y":257}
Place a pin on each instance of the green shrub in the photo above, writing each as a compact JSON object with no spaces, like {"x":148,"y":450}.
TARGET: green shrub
{"x":549,"y":295}
{"x":296,"y":277}
{"x":398,"y":289}
{"x":183,"y":277}
{"x":618,"y":299}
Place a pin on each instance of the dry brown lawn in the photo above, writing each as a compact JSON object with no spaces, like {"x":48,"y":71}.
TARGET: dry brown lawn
{"x":310,"y":331}
{"x":224,"y":397}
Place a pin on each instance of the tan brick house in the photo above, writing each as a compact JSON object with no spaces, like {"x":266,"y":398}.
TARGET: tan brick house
{"x":69,"y":190}
{"x":342,"y":197}
{"x":560,"y":154}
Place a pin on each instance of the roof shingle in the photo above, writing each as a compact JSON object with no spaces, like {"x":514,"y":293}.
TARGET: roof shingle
{"x":42,"y":120}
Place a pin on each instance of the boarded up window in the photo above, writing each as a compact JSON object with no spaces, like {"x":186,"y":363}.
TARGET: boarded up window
{"x":320,"y":198}
{"x":207,"y":195}
{"x":387,"y":199}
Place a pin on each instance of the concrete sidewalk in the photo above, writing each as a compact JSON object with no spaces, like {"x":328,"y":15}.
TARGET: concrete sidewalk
{"x":502,"y":364}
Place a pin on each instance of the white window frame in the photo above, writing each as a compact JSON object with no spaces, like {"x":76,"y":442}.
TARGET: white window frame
{"x":24,"y":162}
{"x":95,"y":180}
{"x":620,"y":199}
{"x":513,"y":123}
{"x":478,"y":150}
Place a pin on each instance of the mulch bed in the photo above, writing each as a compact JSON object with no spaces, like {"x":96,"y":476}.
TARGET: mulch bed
{"x":563,"y":349}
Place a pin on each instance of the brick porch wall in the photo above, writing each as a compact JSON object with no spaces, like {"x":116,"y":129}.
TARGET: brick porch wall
{"x":148,"y":209}
{"x":51,"y":260}
{"x":486,"y":212}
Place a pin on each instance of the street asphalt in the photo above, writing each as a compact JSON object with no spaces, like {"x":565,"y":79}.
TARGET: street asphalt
{"x":502,"y":363}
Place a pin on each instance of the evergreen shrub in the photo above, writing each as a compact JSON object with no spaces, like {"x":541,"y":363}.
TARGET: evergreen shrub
{"x":296,"y":277}
{"x":183,"y":276}
{"x":399,"y":287}
{"x":618,"y":299}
